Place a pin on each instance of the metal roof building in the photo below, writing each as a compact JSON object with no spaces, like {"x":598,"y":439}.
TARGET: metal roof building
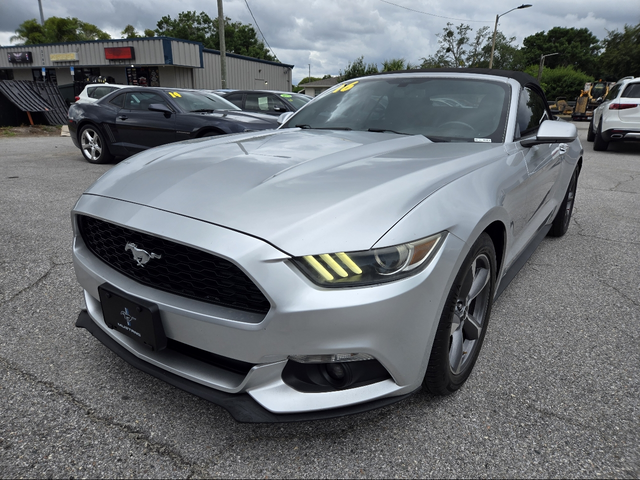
{"x":155,"y":61}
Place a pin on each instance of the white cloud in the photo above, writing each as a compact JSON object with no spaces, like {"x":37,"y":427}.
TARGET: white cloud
{"x":330,"y":33}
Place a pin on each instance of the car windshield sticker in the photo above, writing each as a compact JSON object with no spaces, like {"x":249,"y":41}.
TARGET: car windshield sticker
{"x":285,"y":95}
{"x":345,"y":88}
{"x":175,"y":94}
{"x":482,"y":140}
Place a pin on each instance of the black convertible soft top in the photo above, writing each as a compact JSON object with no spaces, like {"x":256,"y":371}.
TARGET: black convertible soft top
{"x":523,"y":78}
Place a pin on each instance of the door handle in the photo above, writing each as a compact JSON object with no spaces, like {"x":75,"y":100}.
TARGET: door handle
{"x":122,"y":117}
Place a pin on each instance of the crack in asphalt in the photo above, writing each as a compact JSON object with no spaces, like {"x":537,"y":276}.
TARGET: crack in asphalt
{"x":143,"y":439}
{"x":622,"y":294}
{"x":52,"y":266}
{"x":39,"y":280}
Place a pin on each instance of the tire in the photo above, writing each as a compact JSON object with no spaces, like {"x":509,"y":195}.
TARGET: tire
{"x":93,"y":146}
{"x":599,"y":143}
{"x":464,"y":320}
{"x":560,"y":224}
{"x":590,"y":134}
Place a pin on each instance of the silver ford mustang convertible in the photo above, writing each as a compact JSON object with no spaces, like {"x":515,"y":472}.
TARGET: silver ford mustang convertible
{"x":337,"y":264}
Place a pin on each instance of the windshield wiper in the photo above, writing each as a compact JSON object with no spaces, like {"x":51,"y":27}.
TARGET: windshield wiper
{"x":202,"y":110}
{"x":385,"y":130}
{"x":307,"y":127}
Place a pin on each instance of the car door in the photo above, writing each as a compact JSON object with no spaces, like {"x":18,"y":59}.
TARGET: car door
{"x":542,"y":161}
{"x":140,"y":128}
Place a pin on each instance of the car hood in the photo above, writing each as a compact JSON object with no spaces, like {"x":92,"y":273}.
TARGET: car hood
{"x":258,"y":119}
{"x":303,"y":191}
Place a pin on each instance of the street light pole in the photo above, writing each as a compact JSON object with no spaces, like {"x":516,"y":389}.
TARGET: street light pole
{"x":542,"y":57}
{"x":495,"y":29}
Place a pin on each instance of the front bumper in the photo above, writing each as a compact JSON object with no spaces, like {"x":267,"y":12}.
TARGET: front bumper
{"x":241,"y":406}
{"x":395,"y":323}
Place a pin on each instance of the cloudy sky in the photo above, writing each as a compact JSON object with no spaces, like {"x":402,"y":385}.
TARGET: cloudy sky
{"x":328,"y":34}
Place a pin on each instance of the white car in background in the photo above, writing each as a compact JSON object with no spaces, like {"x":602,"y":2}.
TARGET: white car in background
{"x":95,"y":91}
{"x":617,"y":118}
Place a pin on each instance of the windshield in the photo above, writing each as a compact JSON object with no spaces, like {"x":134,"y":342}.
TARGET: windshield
{"x":442,"y":109}
{"x":201,"y":101}
{"x":298,"y":101}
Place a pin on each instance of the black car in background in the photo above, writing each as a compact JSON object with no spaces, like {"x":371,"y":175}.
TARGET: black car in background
{"x":267,"y":101}
{"x":133,"y":119}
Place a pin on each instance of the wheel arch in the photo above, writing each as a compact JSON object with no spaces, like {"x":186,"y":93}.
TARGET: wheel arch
{"x":208,"y":129}
{"x":498,"y":234}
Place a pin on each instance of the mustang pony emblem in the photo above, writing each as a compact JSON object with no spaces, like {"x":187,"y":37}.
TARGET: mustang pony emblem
{"x":139,"y":255}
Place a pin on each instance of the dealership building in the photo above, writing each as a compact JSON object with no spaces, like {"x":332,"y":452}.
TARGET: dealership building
{"x":155,"y":61}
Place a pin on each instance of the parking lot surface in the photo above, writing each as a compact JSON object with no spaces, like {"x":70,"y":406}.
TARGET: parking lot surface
{"x":555,"y":392}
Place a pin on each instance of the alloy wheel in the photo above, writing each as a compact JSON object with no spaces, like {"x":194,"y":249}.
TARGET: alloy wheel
{"x":469,"y":314}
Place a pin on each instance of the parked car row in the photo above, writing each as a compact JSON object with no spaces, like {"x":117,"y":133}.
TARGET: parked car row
{"x":337,"y":264}
{"x":129,"y":120}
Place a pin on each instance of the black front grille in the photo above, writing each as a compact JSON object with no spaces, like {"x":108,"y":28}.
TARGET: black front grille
{"x":181,"y":270}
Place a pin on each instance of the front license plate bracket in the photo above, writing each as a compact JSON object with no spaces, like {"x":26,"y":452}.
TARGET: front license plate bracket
{"x":133,"y":317}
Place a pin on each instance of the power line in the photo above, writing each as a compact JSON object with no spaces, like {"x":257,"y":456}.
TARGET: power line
{"x":434,"y":15}
{"x":258,"y":27}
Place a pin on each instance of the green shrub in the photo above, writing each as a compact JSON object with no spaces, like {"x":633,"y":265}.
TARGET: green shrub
{"x":561,"y":81}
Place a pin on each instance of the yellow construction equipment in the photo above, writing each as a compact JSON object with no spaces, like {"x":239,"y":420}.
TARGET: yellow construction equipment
{"x":587,"y":102}
{"x":561,"y":107}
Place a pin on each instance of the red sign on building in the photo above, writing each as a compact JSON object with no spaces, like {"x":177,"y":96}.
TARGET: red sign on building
{"x":119,"y":53}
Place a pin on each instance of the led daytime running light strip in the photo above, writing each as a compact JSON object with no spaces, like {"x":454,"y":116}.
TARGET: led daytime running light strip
{"x":333,"y":265}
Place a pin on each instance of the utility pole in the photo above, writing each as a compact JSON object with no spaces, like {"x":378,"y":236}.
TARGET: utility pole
{"x":309,"y":72}
{"x":41,"y":14}
{"x":542,"y":57}
{"x":223,"y":49}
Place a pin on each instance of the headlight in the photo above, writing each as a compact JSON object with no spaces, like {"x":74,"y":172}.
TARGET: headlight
{"x":372,"y":266}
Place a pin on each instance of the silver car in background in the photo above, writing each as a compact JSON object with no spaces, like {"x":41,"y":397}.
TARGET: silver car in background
{"x":335,"y":265}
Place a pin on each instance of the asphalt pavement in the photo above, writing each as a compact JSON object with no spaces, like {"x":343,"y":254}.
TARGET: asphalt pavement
{"x":555,"y":392}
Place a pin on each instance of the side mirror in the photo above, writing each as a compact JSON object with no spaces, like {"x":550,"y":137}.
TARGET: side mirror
{"x":552,"y":131}
{"x":160,"y":107}
{"x":284,"y":117}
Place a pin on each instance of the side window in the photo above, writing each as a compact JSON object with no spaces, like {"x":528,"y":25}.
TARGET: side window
{"x":260,"y":102}
{"x":99,"y":92}
{"x":235,"y":98}
{"x":142,"y":100}
{"x":613,"y":93}
{"x":91,"y":92}
{"x":118,"y":100}
{"x":632,"y":91}
{"x":532,"y":111}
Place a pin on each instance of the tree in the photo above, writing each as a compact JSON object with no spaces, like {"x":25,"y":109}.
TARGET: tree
{"x":239,"y":38}
{"x":505,"y":57}
{"x":560,"y":81}
{"x":621,"y":56}
{"x":358,"y":68}
{"x":457,"y":49}
{"x":188,"y":26}
{"x":57,"y":30}
{"x":129,"y":32}
{"x":394,"y":65}
{"x":576,"y":47}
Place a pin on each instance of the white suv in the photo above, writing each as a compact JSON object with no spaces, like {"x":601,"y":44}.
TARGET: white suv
{"x":617,"y":118}
{"x":95,"y":91}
